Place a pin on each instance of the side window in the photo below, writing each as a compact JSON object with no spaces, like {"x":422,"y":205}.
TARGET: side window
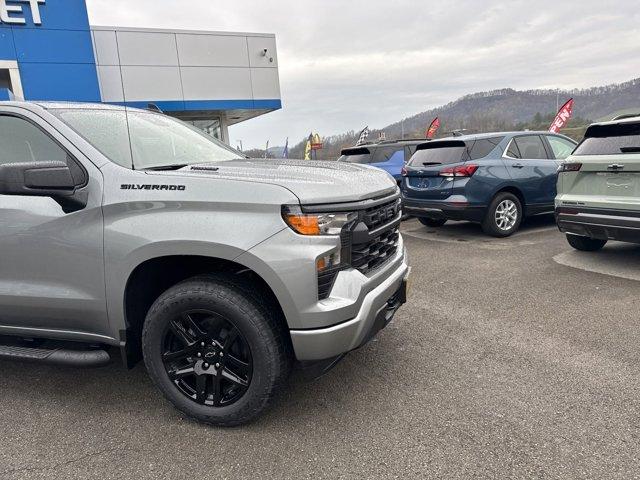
{"x":512,"y":150}
{"x":409,"y":151}
{"x":561,"y":147}
{"x":483,"y":147}
{"x":384,"y":154}
{"x":531,"y":147}
{"x":24,"y":142}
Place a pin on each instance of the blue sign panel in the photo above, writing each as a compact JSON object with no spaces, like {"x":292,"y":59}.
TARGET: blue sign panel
{"x":51,"y":41}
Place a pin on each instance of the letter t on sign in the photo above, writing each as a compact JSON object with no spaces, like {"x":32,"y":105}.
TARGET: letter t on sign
{"x":35,"y":10}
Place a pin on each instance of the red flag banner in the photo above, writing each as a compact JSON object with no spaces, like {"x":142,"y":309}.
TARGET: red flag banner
{"x":433,"y":128}
{"x":562,"y":118}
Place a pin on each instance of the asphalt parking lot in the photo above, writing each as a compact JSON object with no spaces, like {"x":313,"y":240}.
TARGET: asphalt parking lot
{"x":514,"y":358}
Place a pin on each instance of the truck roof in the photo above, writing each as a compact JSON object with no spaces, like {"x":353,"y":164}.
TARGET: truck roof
{"x":64,"y":105}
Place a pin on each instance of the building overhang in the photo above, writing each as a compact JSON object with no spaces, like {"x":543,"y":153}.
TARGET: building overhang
{"x":56,"y":55}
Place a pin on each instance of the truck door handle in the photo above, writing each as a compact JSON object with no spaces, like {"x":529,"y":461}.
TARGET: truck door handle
{"x":517,"y":165}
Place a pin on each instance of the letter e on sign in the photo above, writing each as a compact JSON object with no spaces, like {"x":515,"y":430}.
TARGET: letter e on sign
{"x":18,"y":18}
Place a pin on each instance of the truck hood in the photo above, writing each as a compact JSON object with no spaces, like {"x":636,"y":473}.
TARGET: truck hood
{"x":313,"y":182}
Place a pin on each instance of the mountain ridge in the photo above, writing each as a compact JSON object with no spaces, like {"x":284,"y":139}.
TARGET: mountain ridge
{"x":500,"y":109}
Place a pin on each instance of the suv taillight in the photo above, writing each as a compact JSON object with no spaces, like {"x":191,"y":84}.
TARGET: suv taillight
{"x":570,"y":167}
{"x":459,"y":171}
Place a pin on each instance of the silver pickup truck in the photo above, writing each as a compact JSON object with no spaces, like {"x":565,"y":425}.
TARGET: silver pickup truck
{"x":130,"y":229}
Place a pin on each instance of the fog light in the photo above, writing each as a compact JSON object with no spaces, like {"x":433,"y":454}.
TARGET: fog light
{"x":328,"y":262}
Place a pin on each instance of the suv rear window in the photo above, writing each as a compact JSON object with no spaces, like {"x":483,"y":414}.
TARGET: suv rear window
{"x":439,"y":153}
{"x":355,"y":155}
{"x":610,"y":140}
{"x":369,"y":154}
{"x":442,"y":152}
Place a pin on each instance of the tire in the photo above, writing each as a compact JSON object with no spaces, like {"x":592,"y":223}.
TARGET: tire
{"x":499,"y":224}
{"x":432,"y":222}
{"x":585,"y":244}
{"x":245,"y":359}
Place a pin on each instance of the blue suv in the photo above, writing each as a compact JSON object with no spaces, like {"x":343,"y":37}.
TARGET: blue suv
{"x":389,"y":155}
{"x":494,"y":179}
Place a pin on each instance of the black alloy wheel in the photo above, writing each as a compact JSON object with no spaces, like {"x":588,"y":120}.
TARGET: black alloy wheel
{"x":216,"y":349}
{"x":207,"y":358}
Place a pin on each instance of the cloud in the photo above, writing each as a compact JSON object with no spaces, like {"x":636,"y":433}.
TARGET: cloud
{"x":347,"y":64}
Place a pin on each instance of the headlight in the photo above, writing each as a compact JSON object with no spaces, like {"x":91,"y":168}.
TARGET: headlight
{"x":316,"y":223}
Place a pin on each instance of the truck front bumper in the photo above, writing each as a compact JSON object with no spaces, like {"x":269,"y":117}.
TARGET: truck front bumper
{"x":376,"y":311}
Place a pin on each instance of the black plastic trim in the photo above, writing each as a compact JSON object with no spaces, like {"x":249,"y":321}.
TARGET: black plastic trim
{"x":59,"y":356}
{"x":351,"y":206}
{"x":603,"y":224}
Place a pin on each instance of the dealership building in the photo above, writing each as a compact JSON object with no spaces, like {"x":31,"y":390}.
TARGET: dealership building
{"x":49,"y":52}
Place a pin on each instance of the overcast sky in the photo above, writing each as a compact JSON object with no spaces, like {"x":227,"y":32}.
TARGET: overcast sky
{"x":345,"y":64}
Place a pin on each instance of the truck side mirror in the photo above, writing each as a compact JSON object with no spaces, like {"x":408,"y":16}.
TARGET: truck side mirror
{"x":42,"y":179}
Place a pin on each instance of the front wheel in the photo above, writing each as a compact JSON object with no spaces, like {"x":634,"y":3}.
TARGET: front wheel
{"x":503,"y":215}
{"x":214,"y":351}
{"x":585,"y":244}
{"x":432,"y":222}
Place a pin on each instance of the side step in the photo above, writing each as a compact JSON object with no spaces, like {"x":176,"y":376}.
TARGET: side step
{"x":55,"y":356}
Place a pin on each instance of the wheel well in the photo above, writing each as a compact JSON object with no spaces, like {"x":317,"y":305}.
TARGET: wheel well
{"x":153,"y":277}
{"x":515,"y":191}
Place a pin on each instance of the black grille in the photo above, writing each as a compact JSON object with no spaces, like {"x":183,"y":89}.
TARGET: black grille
{"x":369,"y":256}
{"x":375,"y":217}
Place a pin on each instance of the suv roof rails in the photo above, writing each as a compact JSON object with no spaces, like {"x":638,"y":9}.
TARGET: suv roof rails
{"x":625,"y":115}
{"x":405,"y":140}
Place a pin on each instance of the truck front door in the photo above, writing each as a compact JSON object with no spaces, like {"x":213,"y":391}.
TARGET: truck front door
{"x":51,"y":260}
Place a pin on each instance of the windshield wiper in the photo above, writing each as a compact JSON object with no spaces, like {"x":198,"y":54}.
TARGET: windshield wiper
{"x":176,"y":166}
{"x":630,"y":149}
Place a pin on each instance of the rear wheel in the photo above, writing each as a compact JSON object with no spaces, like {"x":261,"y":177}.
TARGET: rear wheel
{"x":503,"y":216}
{"x":214,"y":351}
{"x":432,"y":222}
{"x":585,"y":244}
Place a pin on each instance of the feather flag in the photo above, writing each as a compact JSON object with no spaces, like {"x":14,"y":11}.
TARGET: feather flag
{"x":433,"y":128}
{"x":563,"y":116}
{"x":307,"y":148}
{"x":363,"y":136}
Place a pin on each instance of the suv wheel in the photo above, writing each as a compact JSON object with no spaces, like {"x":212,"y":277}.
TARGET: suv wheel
{"x":585,"y":244}
{"x":503,"y":216}
{"x":214,"y":351}
{"x":432,"y":222}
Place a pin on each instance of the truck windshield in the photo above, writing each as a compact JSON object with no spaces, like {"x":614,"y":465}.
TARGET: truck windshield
{"x":145,"y":140}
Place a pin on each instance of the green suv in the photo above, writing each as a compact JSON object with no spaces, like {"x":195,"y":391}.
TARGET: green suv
{"x":599,"y":186}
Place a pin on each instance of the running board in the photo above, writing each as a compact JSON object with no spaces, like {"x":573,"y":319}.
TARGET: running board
{"x":55,"y":356}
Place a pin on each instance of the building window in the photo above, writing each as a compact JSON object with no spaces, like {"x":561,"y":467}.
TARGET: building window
{"x":210,"y":127}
